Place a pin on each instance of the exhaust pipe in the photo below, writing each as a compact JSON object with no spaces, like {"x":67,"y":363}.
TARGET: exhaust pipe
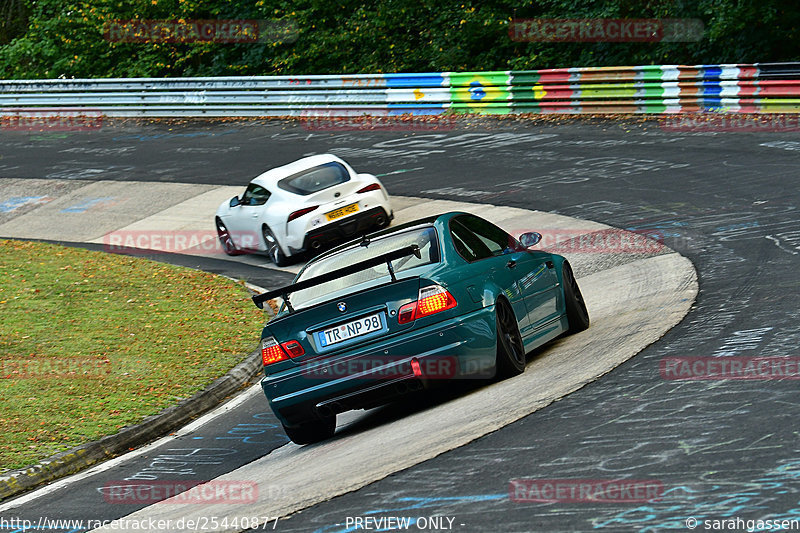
{"x":330,"y":409}
{"x":316,"y":245}
{"x":380,"y":220}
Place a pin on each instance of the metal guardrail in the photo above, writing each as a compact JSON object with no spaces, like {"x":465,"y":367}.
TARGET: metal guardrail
{"x":745,"y":88}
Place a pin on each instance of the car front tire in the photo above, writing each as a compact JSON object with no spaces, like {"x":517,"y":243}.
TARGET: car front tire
{"x":577,"y":315}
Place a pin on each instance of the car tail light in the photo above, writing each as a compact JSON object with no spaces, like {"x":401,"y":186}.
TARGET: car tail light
{"x":431,"y":300}
{"x":373,"y":187}
{"x":272,"y":352}
{"x":301,"y":212}
{"x":406,"y":313}
{"x":294,"y":348}
{"x":434,"y":299}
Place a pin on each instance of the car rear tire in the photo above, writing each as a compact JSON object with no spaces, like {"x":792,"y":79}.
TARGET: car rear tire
{"x":510,"y":349}
{"x":225,"y":239}
{"x":311,"y":432}
{"x":577,"y":315}
{"x":273,"y":248}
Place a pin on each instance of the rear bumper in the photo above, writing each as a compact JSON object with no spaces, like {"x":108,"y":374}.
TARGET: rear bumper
{"x":463,"y":347}
{"x":346,"y":229}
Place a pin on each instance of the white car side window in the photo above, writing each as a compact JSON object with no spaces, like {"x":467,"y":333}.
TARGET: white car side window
{"x":255,"y":195}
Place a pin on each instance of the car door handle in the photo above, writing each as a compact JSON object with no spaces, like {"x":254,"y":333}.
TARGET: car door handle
{"x":511,"y":264}
{"x":255,"y":215}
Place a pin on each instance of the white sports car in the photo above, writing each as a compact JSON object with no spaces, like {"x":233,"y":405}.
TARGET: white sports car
{"x":307,"y":205}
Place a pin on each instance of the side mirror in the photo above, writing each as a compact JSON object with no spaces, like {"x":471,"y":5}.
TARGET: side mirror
{"x":235,"y":201}
{"x":529,"y":239}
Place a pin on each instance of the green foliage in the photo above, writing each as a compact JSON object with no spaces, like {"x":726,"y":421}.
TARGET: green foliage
{"x":65,"y":38}
{"x":13,"y":20}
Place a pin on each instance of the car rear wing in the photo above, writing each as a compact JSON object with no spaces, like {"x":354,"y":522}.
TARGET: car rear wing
{"x":387,"y":258}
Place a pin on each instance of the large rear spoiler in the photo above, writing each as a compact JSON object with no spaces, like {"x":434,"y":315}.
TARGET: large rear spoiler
{"x":387,"y":258}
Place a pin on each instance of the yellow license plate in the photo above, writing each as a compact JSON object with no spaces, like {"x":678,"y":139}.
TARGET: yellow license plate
{"x":342,"y":211}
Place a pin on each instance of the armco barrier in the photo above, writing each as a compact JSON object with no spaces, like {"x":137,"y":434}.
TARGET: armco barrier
{"x":741,"y":88}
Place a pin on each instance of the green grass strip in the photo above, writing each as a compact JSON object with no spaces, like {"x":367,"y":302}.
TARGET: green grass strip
{"x":92,"y":342}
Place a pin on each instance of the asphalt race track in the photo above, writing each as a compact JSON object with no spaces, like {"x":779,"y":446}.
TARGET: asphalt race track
{"x":727,"y":201}
{"x":634,"y":295}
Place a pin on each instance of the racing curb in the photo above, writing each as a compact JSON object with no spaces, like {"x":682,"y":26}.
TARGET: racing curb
{"x":155,"y":426}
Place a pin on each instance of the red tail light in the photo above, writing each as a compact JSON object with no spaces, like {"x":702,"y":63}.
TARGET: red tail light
{"x":373,"y":187}
{"x":434,"y":299}
{"x":431,"y":300}
{"x":406,"y":313}
{"x":301,"y":212}
{"x":272,"y":352}
{"x":294,"y":348}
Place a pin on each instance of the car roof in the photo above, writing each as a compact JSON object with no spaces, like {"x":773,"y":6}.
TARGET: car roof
{"x":272,"y":176}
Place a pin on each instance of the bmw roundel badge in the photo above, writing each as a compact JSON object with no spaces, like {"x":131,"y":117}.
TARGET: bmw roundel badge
{"x":341,"y":306}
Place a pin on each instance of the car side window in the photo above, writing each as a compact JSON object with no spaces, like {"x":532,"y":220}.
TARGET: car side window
{"x":467,"y":244}
{"x":498,"y":241}
{"x":255,"y":195}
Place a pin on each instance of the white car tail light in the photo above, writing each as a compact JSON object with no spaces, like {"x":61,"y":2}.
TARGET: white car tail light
{"x":301,"y":212}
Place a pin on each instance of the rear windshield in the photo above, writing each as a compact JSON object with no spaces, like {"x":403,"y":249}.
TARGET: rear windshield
{"x":425,"y":238}
{"x":315,"y":179}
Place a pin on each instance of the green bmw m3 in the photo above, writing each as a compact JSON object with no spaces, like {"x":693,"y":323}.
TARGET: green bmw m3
{"x":442,"y":298}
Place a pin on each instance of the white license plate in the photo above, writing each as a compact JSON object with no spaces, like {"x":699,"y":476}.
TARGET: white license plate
{"x":349,"y":330}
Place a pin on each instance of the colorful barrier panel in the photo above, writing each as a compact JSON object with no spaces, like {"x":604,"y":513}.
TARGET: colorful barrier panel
{"x":737,"y":88}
